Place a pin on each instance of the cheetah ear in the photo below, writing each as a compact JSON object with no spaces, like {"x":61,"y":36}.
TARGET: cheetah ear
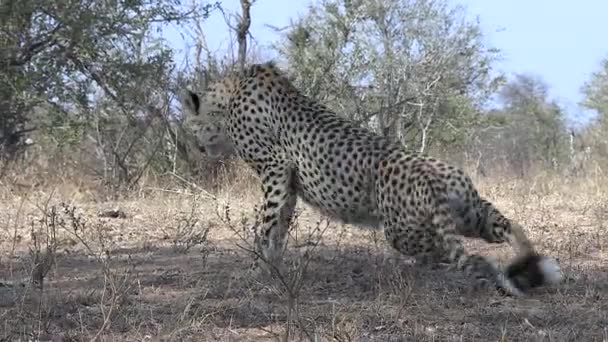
{"x":191,"y":102}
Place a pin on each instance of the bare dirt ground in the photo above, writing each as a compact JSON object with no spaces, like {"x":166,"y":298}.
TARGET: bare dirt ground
{"x":173,"y":265}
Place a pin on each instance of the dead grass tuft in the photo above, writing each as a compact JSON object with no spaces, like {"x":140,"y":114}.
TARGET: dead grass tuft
{"x":177,"y":267}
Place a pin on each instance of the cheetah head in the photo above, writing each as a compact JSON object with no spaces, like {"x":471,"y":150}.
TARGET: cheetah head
{"x":205,"y":118}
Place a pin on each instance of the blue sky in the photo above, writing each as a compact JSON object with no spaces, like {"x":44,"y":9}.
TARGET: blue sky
{"x":559,"y":40}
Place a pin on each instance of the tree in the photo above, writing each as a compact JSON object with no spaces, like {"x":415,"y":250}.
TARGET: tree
{"x":404,"y":67}
{"x":92,"y":72}
{"x":528,"y":127}
{"x":595,"y":93}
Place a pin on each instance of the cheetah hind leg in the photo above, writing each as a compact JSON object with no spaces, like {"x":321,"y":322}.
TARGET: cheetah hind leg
{"x":527,"y":271}
{"x":415,"y":240}
{"x":485,"y":272}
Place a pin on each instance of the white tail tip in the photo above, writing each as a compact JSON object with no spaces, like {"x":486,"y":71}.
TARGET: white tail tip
{"x":551,"y":271}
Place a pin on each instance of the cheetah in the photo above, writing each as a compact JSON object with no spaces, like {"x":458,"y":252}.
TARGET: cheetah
{"x":302,"y":149}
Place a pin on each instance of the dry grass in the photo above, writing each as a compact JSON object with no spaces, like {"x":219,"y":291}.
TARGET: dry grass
{"x":176,"y":269}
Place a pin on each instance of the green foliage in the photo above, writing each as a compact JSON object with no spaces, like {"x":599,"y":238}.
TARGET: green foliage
{"x":87,"y":70}
{"x":527,"y":129}
{"x":596,"y":93}
{"x":408,"y":68}
{"x":95,"y":79}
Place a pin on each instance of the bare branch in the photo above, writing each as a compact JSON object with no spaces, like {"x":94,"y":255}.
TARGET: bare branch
{"x":242,"y":31}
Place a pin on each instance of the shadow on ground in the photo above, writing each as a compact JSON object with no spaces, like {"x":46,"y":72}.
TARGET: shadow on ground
{"x":347,"y":293}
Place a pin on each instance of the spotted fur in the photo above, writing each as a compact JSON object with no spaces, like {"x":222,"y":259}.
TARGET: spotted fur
{"x":300,"y":148}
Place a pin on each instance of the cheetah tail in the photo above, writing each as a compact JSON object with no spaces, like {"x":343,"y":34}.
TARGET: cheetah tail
{"x":530,"y":269}
{"x":520,"y":240}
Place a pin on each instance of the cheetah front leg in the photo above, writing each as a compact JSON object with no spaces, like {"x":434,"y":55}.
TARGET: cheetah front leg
{"x":280,"y":199}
